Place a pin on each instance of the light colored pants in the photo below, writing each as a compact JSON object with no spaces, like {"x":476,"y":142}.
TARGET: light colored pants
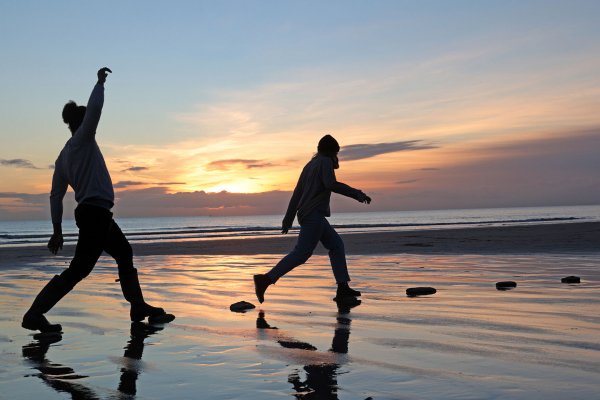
{"x":314,"y":229}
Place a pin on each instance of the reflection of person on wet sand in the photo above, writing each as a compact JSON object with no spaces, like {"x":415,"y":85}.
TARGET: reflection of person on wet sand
{"x":310,"y":201}
{"x":133,"y":351}
{"x":57,"y":376}
{"x":81,"y":166}
{"x":62,"y":378}
{"x":321,"y":379}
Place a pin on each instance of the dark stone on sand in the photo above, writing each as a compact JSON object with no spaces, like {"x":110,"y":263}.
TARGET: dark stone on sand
{"x":420,"y":291}
{"x":571,"y":279}
{"x":241,"y":306}
{"x":292,"y":344}
{"x":506,"y":285}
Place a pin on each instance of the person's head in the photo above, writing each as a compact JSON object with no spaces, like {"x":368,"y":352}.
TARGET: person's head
{"x":329,"y":147}
{"x":72,"y":115}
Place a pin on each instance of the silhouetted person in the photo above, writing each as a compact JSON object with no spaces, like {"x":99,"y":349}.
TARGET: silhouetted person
{"x":81,"y":165}
{"x":310,"y":201}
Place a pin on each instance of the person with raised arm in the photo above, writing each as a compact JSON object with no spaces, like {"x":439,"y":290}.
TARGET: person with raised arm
{"x":81,"y":165}
{"x":310,"y":201}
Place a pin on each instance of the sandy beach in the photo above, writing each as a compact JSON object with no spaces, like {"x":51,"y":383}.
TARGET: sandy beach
{"x":546,"y":238}
{"x":468,"y":341}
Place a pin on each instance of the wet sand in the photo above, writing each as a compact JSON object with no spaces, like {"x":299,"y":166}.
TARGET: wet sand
{"x":468,"y":341}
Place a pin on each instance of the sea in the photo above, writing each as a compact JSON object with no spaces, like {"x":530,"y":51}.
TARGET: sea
{"x":33,"y":233}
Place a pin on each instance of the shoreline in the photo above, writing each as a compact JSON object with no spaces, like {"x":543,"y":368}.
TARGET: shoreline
{"x":544,"y":238}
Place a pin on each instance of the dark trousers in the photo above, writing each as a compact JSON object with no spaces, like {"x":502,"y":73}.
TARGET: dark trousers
{"x":314,"y":228}
{"x":98,"y":232}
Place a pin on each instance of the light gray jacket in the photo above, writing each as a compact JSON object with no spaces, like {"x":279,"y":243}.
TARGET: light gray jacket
{"x":81,"y":165}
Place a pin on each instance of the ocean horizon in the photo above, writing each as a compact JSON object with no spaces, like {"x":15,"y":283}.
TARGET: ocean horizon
{"x":149,"y":229}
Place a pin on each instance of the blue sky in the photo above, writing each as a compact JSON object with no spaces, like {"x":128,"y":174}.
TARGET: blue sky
{"x":199,"y":83}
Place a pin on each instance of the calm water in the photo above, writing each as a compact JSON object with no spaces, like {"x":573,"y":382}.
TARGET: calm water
{"x":26,"y":233}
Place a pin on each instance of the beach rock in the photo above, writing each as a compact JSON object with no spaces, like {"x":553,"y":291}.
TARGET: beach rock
{"x":295,"y":344}
{"x":241,"y":306}
{"x":506,"y":285}
{"x":420,"y":291}
{"x":571,"y":279}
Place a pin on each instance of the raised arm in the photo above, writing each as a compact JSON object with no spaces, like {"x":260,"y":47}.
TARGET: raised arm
{"x":59,"y":188}
{"x":93,"y":111}
{"x":331,"y":183}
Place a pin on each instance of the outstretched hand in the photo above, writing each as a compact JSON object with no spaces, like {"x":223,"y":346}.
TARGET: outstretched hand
{"x":364,"y":198}
{"x":102,"y":74}
{"x":55,"y":243}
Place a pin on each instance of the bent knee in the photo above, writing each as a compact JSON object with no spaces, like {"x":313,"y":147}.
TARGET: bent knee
{"x":301,"y":255}
{"x":74,"y":275}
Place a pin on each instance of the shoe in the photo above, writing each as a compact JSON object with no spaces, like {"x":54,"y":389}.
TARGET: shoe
{"x":156,"y":315}
{"x":130,"y":285}
{"x":51,"y":294}
{"x":345,"y":291}
{"x":261,"y":283}
{"x":37,"y":322}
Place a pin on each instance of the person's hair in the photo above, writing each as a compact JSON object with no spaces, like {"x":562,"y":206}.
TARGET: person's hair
{"x":328,"y":145}
{"x":72,"y":115}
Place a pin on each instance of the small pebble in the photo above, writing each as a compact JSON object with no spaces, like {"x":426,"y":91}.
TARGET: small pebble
{"x":420,"y":291}
{"x":506,"y":285}
{"x":241,"y":306}
{"x":294,"y":344}
{"x":571,"y":279}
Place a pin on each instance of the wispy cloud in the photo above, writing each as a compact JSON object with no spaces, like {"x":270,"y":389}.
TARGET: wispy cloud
{"x":41,"y":198}
{"x":169,"y":183}
{"x":18,"y":163}
{"x":135,"y":169}
{"x":126,"y":184}
{"x":406,"y":182}
{"x":27,"y":206}
{"x":362,"y":151}
{"x":226,"y":164}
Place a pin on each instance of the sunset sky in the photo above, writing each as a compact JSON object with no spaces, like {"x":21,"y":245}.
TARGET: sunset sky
{"x":214,"y":107}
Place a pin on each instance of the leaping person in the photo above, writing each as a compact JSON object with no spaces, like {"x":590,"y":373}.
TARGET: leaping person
{"x":310,"y":201}
{"x":81,"y":165}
